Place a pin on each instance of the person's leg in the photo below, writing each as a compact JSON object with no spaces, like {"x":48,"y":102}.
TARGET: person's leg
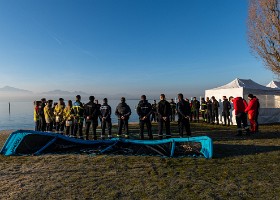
{"x":103,"y":128}
{"x":217,"y":116}
{"x":188,"y":127}
{"x":109,"y":124}
{"x":238,"y":122}
{"x":245,"y":123}
{"x":126,"y":127}
{"x":67,"y":130}
{"x":149,"y":129}
{"x":120,"y":127}
{"x":94,"y":127}
{"x":80,"y":127}
{"x":167,"y":127}
{"x":87,"y":129}
{"x":180,"y":127}
{"x":61,"y":128}
{"x":141,"y":126}
{"x":160,"y":126}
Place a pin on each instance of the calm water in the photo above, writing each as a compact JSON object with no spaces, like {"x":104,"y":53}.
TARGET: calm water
{"x":21,"y":116}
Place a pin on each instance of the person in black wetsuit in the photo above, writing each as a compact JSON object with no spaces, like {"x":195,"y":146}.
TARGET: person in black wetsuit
{"x":184,"y":111}
{"x":123,"y":112}
{"x":226,"y":111}
{"x":163,"y":111}
{"x":105,"y":115}
{"x":92,"y":112}
{"x":144,"y":110}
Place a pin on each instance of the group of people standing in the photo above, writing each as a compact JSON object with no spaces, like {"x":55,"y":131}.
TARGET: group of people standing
{"x":244,"y":110}
{"x":70,"y":119}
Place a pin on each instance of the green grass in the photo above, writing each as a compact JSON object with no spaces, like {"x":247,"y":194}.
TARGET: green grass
{"x":242,"y":168}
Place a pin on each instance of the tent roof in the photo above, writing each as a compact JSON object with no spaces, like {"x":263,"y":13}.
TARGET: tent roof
{"x":243,"y":83}
{"x":274,"y":84}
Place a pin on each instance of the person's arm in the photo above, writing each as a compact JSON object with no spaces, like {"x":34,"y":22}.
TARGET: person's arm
{"x":179,"y":109}
{"x":117,"y":112}
{"x":139,"y":110}
{"x":151,"y":111}
{"x":129,"y":111}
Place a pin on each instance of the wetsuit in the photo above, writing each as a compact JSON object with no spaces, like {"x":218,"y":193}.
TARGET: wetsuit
{"x":144,"y":110}
{"x":184,"y":111}
{"x":226,"y":112}
{"x":164,"y":110}
{"x":92,"y":112}
{"x":123,"y":112}
{"x":105,"y":112}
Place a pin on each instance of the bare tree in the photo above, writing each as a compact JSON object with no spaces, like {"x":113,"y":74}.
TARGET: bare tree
{"x":264,"y":32}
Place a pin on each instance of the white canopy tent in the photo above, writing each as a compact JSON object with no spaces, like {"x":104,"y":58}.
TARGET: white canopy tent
{"x":274,"y":84}
{"x":268,"y":98}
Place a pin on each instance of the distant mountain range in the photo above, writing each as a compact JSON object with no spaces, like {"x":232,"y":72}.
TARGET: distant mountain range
{"x":8,"y":92}
{"x":14,"y":90}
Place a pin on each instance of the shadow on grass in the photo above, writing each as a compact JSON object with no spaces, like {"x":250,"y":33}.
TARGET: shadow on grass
{"x":232,"y":150}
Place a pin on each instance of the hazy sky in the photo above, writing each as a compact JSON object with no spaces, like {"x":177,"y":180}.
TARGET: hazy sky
{"x":125,"y":46}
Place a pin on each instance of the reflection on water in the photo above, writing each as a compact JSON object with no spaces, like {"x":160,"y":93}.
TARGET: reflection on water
{"x":21,"y":116}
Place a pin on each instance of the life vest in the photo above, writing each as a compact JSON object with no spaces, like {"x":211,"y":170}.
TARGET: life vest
{"x":36,"y":114}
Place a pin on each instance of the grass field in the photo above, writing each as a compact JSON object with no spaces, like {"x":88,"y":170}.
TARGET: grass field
{"x":242,"y":168}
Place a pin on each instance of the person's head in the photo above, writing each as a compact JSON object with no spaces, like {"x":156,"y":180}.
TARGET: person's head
{"x":162,"y":97}
{"x":224,"y":97}
{"x":213,"y":97}
{"x":187,"y":100}
{"x":43,"y":100}
{"x":230,"y":98}
{"x":250,"y":96}
{"x":155,"y":101}
{"x":61,"y":100}
{"x":78,"y":98}
{"x":172,"y":100}
{"x":91,"y":98}
{"x":105,"y":100}
{"x":123,"y":100}
{"x":207,"y":98}
{"x":194,"y":98}
{"x":96,"y":101}
{"x":70,"y":103}
{"x":202,"y":99}
{"x":180,"y":96}
{"x":143,"y":97}
{"x":50,"y":102}
{"x":38,"y":103}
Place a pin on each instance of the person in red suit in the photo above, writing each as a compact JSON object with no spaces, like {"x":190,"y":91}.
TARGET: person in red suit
{"x":252,"y":110}
{"x":240,"y":105}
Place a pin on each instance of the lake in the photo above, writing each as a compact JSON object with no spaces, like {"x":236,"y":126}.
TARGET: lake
{"x":21,"y":115}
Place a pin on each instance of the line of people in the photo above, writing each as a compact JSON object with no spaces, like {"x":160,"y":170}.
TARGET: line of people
{"x":69,"y":119}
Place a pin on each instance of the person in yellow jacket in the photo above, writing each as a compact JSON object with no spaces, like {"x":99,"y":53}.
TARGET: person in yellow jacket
{"x":58,"y":113}
{"x":68,"y":119}
{"x":49,"y":115}
{"x":36,"y":115}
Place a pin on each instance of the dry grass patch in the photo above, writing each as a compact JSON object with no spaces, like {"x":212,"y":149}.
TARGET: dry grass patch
{"x":242,"y":168}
